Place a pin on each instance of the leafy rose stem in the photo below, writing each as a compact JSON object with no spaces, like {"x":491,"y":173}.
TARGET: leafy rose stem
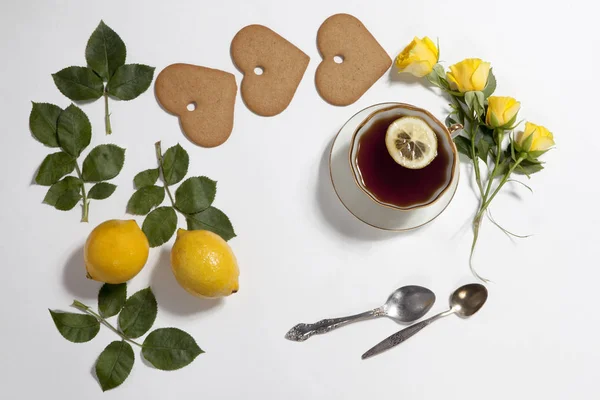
{"x":473,"y":132}
{"x":499,"y":134}
{"x":80,"y":306}
{"x":485,"y":203}
{"x":476,"y":159}
{"x":106,"y":113}
{"x":86,"y":203}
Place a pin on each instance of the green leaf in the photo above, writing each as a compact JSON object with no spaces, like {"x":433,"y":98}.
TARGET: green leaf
{"x":76,"y":328}
{"x":160,"y":225}
{"x":146,"y":178}
{"x":114,"y":364}
{"x":483,"y":149}
{"x":439,"y":70}
{"x":64,"y":194}
{"x":104,"y":162}
{"x":138,"y":314}
{"x":502,"y":167}
{"x":474,"y":101}
{"x":490,"y":85}
{"x":54,"y":167}
{"x":79,"y":83}
{"x":43,"y":122}
{"x":74,"y":130}
{"x":175,"y":164}
{"x":534,"y":155}
{"x":145,"y":199}
{"x":111,"y":299}
{"x":438,"y":77}
{"x":463,"y":145}
{"x":105,"y":51}
{"x":484,"y":141}
{"x":195,"y":194}
{"x":170,"y":349}
{"x":214,"y":220}
{"x":101,"y":191}
{"x":528,"y":168}
{"x":130,"y":80}
{"x":486,"y":133}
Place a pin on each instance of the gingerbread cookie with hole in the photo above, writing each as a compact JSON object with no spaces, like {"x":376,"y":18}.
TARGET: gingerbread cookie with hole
{"x":352,"y":60}
{"x":272,"y":68}
{"x":202,"y":98}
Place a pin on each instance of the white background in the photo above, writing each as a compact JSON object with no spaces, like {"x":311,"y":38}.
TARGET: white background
{"x":302,"y":256}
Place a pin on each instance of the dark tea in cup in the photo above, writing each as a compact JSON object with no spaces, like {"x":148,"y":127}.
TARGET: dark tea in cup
{"x":390,"y":183}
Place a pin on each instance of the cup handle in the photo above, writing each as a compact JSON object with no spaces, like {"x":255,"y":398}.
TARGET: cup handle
{"x":455,"y":130}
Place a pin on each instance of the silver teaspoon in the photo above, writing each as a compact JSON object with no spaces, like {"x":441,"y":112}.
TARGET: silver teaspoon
{"x":465,"y":301}
{"x":406,"y":304}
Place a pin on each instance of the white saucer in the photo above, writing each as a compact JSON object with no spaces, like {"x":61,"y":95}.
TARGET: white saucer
{"x":358,"y":202}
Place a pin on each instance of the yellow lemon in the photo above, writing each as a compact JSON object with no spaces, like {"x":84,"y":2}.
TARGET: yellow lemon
{"x":115,"y":251}
{"x":204,"y":264}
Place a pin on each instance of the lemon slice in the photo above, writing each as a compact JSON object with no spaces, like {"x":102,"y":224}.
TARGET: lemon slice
{"x":411,"y":142}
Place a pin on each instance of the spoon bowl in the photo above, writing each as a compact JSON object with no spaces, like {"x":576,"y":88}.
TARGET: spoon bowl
{"x":468,"y":299}
{"x":409,"y":303}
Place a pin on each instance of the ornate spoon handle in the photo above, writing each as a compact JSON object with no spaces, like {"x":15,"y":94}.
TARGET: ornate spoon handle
{"x":301,"y":332}
{"x":404,"y":334}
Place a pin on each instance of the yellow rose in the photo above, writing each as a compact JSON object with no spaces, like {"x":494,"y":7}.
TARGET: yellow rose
{"x":535,"y":138}
{"x":418,"y":58}
{"x":502,"y":111}
{"x":469,"y":75}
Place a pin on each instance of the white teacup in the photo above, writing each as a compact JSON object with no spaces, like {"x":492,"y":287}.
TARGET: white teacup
{"x":416,"y":214}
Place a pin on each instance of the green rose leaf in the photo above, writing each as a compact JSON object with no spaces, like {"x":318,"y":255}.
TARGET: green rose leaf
{"x":170,"y":348}
{"x":463,"y":145}
{"x":160,"y":225}
{"x":534,"y":155}
{"x":111,"y":299}
{"x":74,"y":130}
{"x":114,"y":364}
{"x":146,"y":178}
{"x":105,"y":51}
{"x":503,"y":167}
{"x":145,"y":199}
{"x":130,"y":80}
{"x":76,"y":328}
{"x":195,"y":194}
{"x":104,"y":162}
{"x":54,"y":167}
{"x":43,"y":122}
{"x":529,"y":168}
{"x":101,"y":191}
{"x":64,"y":194}
{"x":175,"y":164}
{"x":438,"y":77}
{"x":214,"y":220}
{"x":483,"y":149}
{"x":79,"y":83}
{"x":490,"y":86}
{"x":475,"y":101}
{"x":138,"y":314}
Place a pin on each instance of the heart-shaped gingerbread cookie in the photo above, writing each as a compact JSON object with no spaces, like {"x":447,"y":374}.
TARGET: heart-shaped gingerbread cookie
{"x":203,"y":98}
{"x":272,"y":68}
{"x":352,"y":60}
